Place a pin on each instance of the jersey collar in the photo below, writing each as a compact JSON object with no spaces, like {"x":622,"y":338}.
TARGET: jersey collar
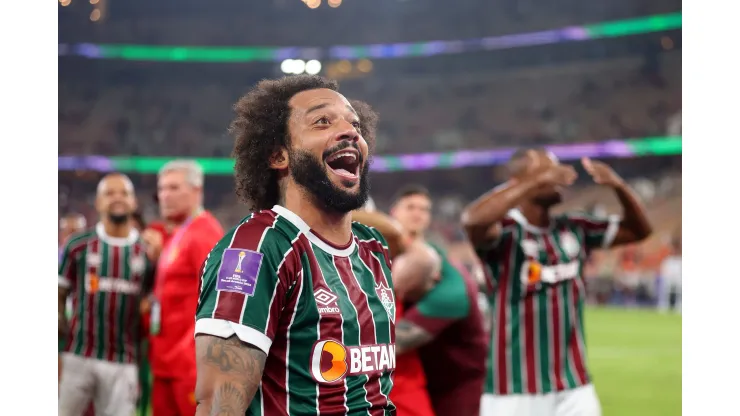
{"x":116,"y":241}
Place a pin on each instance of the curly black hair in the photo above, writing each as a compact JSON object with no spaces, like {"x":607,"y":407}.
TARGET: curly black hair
{"x":260,"y":129}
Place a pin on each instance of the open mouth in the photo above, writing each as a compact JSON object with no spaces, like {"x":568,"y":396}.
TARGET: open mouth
{"x":345,"y":163}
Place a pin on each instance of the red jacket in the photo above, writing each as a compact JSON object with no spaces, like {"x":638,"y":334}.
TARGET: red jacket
{"x":172,"y":350}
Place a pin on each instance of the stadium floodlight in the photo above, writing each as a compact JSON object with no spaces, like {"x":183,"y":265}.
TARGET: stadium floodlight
{"x":287,"y":66}
{"x":293,"y":66}
{"x":313,"y":67}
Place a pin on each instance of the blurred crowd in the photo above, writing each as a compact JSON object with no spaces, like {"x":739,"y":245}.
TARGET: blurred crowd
{"x":564,"y":93}
{"x":624,"y":276}
{"x":583,"y":101}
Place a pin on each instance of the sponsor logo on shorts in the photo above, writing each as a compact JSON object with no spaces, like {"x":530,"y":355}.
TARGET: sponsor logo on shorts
{"x":326,"y":302}
{"x":332,"y":362}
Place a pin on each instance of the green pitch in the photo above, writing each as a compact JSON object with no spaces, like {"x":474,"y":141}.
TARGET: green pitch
{"x":635,"y":360}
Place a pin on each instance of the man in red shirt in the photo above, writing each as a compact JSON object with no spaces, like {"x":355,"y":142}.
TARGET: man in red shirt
{"x":175,"y":293}
{"x":414,"y":274}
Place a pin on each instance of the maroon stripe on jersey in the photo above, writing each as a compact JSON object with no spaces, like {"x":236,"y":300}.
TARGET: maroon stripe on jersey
{"x":94,"y":248}
{"x":112,"y":315}
{"x":247,"y":236}
{"x":274,"y":392}
{"x":552,"y":291}
{"x":364,"y":319}
{"x":575,"y":341}
{"x":376,"y":246}
{"x":330,"y":396}
{"x":275,"y":380}
{"x":502,"y":385}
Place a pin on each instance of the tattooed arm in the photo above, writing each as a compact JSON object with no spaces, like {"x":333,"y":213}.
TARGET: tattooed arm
{"x":229,"y":373}
{"x":410,"y":336}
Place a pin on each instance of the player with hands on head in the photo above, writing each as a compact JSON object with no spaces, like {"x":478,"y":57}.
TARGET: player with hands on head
{"x":537,"y":360}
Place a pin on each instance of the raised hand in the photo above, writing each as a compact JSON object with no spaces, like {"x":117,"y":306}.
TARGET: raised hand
{"x":545,"y":171}
{"x":601,"y":173}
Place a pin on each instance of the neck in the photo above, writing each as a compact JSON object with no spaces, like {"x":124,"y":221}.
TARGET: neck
{"x":117,"y":230}
{"x":180,"y":219}
{"x":335,"y":227}
{"x":535,"y":214}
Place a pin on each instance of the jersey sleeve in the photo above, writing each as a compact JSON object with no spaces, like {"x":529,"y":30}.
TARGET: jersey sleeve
{"x":67,"y":266}
{"x":246,"y":281}
{"x":445,"y":304}
{"x":598,"y":232}
{"x":374,"y":239}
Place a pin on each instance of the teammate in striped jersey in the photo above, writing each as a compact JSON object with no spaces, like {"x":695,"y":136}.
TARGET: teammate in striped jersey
{"x":69,"y":225}
{"x":537,"y":360}
{"x":296,"y":309}
{"x":102,"y":269}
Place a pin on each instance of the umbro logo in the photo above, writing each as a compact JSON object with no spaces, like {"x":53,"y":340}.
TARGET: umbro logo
{"x":326,"y":302}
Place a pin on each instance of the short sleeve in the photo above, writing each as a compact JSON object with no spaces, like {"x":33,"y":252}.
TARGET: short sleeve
{"x":598,"y":232}
{"x":445,"y":304}
{"x":67,"y":265}
{"x":245,"y":284}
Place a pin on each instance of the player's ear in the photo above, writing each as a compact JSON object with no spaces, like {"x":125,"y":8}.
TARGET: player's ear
{"x":279,"y":159}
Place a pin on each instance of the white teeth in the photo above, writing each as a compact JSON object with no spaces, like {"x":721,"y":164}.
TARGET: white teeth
{"x":343,"y":154}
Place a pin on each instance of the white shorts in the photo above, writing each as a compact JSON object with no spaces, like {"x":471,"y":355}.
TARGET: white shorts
{"x":581,"y":401}
{"x":112,"y":387}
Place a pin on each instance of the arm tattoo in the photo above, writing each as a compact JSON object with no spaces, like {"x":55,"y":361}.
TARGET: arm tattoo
{"x":410,"y":336}
{"x":233,"y":369}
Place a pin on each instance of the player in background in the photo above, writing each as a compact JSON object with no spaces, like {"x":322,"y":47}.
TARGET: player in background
{"x":669,"y":292}
{"x":296,"y":309}
{"x":172,"y":303}
{"x":537,"y":361}
{"x":446,"y":325}
{"x":102,"y":269}
{"x":69,"y":225}
{"x":414,"y":273}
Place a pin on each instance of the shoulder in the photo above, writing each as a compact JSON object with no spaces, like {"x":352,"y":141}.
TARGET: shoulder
{"x":368,"y":234}
{"x":79,"y":240}
{"x":262,"y":232}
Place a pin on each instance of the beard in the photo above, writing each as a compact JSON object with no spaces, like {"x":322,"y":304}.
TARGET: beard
{"x":548,"y":200}
{"x":310,"y":173}
{"x":119,"y":219}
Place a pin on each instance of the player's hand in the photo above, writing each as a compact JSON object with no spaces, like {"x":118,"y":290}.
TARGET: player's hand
{"x":543,"y":172}
{"x":153,"y":242}
{"x":601,"y":173}
{"x":63,"y":327}
{"x":145,"y":306}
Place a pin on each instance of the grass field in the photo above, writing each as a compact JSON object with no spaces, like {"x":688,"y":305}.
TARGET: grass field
{"x":635,"y":360}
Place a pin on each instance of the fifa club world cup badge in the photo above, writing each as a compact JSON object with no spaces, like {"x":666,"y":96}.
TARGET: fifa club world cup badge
{"x":239,"y":271}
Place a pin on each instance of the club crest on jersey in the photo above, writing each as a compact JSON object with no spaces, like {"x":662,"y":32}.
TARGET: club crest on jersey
{"x":385,"y":294}
{"x":530,"y":248}
{"x":93,"y":259}
{"x":326,"y":302}
{"x":332,"y":362}
{"x":239,"y":271}
{"x":570,"y":244}
{"x":137,"y":264}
